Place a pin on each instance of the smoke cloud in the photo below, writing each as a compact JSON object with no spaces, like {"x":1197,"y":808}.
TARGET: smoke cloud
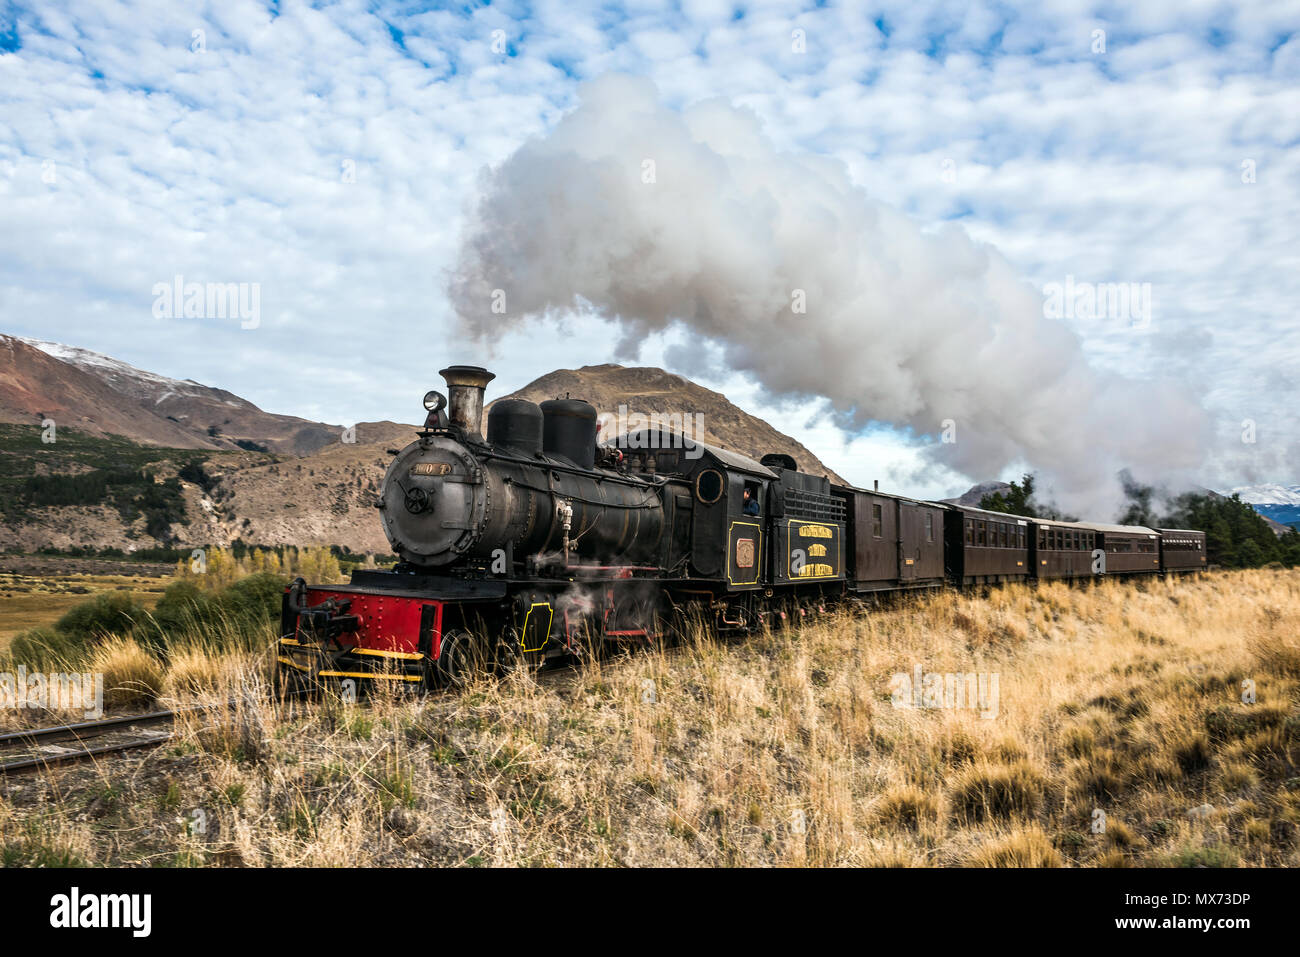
{"x":654,"y":217}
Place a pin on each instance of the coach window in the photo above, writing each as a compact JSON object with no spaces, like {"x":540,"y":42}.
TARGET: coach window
{"x":979,"y":533}
{"x":929,"y":526}
{"x":1002,"y":534}
{"x":970,"y":531}
{"x":877,"y":521}
{"x":1020,"y":536}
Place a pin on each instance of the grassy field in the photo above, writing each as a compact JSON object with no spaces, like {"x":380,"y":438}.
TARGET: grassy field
{"x":31,"y":601}
{"x":1154,"y":724}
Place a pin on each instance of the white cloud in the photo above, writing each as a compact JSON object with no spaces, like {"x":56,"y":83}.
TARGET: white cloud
{"x":226,"y":166}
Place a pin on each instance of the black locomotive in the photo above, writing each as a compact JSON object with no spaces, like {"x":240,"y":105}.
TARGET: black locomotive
{"x":537,"y":542}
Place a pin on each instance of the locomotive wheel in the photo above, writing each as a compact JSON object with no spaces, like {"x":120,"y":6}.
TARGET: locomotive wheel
{"x":506,"y":657}
{"x":460,"y":658}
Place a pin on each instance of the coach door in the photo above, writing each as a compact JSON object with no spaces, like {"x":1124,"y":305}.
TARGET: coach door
{"x":909,"y":540}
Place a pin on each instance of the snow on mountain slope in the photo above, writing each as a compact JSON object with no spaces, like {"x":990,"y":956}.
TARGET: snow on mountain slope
{"x":1269,"y":494}
{"x":127,"y":379}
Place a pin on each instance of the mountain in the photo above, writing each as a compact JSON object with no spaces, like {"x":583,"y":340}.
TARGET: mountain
{"x":646,"y":391}
{"x":308,"y":488}
{"x":972,"y":497}
{"x":98,"y":394}
{"x":35,"y":386}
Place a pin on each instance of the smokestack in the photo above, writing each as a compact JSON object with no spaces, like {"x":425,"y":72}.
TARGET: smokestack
{"x":465,"y":385}
{"x":875,"y":485}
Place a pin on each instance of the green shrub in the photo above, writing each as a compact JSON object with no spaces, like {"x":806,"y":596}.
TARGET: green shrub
{"x":44,"y":649}
{"x":255,"y":599}
{"x":109,"y":613}
{"x":184,"y":608}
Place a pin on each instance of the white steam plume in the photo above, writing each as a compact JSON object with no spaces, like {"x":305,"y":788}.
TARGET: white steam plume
{"x":902,"y":326}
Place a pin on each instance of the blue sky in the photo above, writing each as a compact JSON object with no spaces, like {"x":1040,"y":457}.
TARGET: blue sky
{"x":330,"y":154}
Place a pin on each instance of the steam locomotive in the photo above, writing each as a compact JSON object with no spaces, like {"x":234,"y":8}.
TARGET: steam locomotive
{"x":539,"y":543}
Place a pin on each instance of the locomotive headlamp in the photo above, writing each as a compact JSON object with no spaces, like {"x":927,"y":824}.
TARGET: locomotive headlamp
{"x":434,"y":401}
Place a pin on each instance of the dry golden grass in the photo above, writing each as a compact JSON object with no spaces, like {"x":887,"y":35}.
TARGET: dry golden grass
{"x":1119,"y":718}
{"x":133,"y":677}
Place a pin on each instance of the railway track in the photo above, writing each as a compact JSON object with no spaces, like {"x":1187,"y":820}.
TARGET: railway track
{"x":124,"y":732}
{"x":44,"y":751}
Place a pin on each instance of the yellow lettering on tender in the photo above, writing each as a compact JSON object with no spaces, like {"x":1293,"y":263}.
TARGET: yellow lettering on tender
{"x":815,"y":531}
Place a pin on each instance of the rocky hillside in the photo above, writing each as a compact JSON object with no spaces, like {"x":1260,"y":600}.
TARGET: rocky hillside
{"x":651,"y":391}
